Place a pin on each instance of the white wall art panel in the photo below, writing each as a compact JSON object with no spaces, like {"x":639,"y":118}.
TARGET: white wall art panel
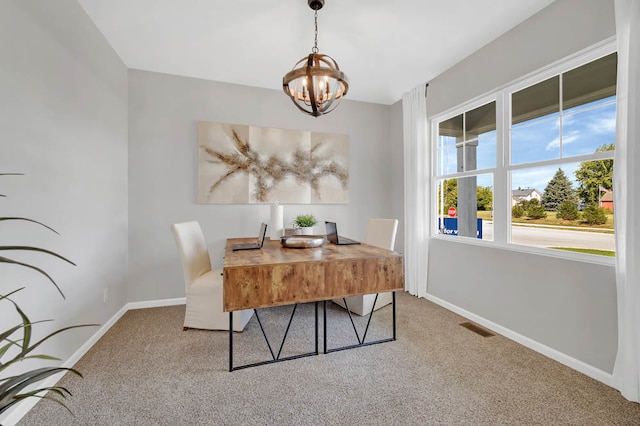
{"x":240,"y":164}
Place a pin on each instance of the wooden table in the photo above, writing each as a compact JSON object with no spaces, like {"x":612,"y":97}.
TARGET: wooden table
{"x":275,"y":275}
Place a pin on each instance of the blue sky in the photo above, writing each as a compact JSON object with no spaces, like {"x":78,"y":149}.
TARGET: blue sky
{"x":584,"y":129}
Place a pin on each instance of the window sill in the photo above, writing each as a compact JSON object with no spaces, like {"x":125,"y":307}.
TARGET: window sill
{"x":540,"y":251}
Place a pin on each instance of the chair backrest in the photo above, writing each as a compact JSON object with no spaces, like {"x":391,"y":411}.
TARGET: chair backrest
{"x":381,"y":233}
{"x":192,"y":249}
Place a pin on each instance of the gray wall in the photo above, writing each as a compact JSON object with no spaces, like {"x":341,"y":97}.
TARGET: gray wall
{"x":163,"y":115}
{"x":569,"y":306}
{"x":63,"y":116}
{"x":557,"y":31}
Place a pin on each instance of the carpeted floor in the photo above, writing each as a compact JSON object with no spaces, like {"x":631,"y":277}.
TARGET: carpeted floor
{"x":147,"y":371}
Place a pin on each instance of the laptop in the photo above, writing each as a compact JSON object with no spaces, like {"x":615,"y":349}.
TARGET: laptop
{"x":253,"y":246}
{"x":332,"y":235}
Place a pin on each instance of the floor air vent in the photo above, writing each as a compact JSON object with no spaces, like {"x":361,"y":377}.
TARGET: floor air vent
{"x":477,"y":329}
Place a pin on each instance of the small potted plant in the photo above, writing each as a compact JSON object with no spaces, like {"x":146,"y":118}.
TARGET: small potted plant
{"x":303,"y":224}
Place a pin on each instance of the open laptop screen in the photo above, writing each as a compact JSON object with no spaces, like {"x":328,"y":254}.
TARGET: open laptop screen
{"x":261,"y":235}
{"x":333,"y":237}
{"x":332,"y":232}
{"x":256,"y":245}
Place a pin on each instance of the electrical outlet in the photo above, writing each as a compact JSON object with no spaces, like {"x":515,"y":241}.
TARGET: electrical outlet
{"x":105,"y":295}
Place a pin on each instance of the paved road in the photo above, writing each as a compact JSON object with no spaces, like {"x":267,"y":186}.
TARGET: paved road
{"x":550,"y":237}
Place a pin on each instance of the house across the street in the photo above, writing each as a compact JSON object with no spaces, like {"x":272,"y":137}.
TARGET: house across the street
{"x":524,"y":194}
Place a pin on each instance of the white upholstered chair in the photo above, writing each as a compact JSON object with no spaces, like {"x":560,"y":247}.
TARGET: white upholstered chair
{"x":380,"y":233}
{"x":203,"y":286}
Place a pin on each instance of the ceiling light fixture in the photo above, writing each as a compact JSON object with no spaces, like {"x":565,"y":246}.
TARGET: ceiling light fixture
{"x":315,"y":84}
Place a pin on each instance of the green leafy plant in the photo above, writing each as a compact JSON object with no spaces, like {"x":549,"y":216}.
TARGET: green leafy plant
{"x":594,"y":215}
{"x":304,"y":221}
{"x":568,"y":211}
{"x":16,"y":343}
{"x":558,"y":190}
{"x":593,"y":175}
{"x":517,"y":211}
{"x":529,"y":208}
{"x":536,"y":212}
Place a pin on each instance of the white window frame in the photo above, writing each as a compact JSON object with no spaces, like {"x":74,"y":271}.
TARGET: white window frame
{"x":503,"y":169}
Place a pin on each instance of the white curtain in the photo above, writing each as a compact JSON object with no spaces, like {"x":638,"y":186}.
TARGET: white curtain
{"x":626,"y":187}
{"x":417,"y":172}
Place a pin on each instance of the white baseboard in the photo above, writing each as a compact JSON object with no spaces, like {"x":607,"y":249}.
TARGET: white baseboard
{"x":156,"y":303}
{"x":576,"y":364}
{"x":23,"y":407}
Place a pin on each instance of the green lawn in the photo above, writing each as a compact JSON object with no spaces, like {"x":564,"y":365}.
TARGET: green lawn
{"x":588,"y":251}
{"x":485,"y":214}
{"x":552,"y":220}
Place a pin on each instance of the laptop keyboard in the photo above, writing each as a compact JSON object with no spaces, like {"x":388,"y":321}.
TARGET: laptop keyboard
{"x":347,"y":240}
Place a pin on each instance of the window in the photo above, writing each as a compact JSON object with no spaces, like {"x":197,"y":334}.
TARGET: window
{"x":546,"y":167}
{"x":466,"y":146}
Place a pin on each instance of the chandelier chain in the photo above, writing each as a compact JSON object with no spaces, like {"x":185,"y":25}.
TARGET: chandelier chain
{"x":315,"y":45}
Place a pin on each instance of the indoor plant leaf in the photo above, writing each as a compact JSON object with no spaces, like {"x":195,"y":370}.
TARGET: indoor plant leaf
{"x":12,"y":386}
{"x":28,"y":220}
{"x":25,"y":346}
{"x":26,"y":265}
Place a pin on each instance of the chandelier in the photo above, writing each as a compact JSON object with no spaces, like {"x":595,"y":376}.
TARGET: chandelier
{"x":315,"y":84}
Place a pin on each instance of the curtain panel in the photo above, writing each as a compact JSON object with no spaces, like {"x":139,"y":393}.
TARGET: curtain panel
{"x":417,"y":175}
{"x":626,"y":184}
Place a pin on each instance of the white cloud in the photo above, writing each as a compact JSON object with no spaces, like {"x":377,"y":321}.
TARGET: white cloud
{"x":567,"y":139}
{"x":603,"y":125}
{"x":568,"y":120}
{"x":554,"y":144}
{"x":571,"y":137}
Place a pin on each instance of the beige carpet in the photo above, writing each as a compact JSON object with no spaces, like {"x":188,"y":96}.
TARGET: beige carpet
{"x":147,"y":371}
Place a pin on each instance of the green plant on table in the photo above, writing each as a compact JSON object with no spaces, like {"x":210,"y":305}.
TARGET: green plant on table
{"x":16,"y":343}
{"x":304,"y":221}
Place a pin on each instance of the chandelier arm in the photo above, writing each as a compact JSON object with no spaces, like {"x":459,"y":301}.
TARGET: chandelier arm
{"x":302,"y":109}
{"x":327,"y":107}
{"x":310,"y":88}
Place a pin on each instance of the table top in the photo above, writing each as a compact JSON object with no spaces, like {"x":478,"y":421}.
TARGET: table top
{"x":277,"y":275}
{"x":273,"y":252}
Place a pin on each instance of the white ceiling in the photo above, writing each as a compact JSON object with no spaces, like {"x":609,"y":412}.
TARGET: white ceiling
{"x":385,"y":47}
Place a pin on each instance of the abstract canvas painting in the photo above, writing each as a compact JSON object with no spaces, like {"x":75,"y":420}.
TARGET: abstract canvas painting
{"x":240,"y":164}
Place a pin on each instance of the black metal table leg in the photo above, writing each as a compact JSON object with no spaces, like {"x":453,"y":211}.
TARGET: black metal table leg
{"x":326,"y":350}
{"x":316,"y":328}
{"x":230,"y":341}
{"x":393,"y":303}
{"x":361,"y":342}
{"x":324,"y":327}
{"x":274,"y":357}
